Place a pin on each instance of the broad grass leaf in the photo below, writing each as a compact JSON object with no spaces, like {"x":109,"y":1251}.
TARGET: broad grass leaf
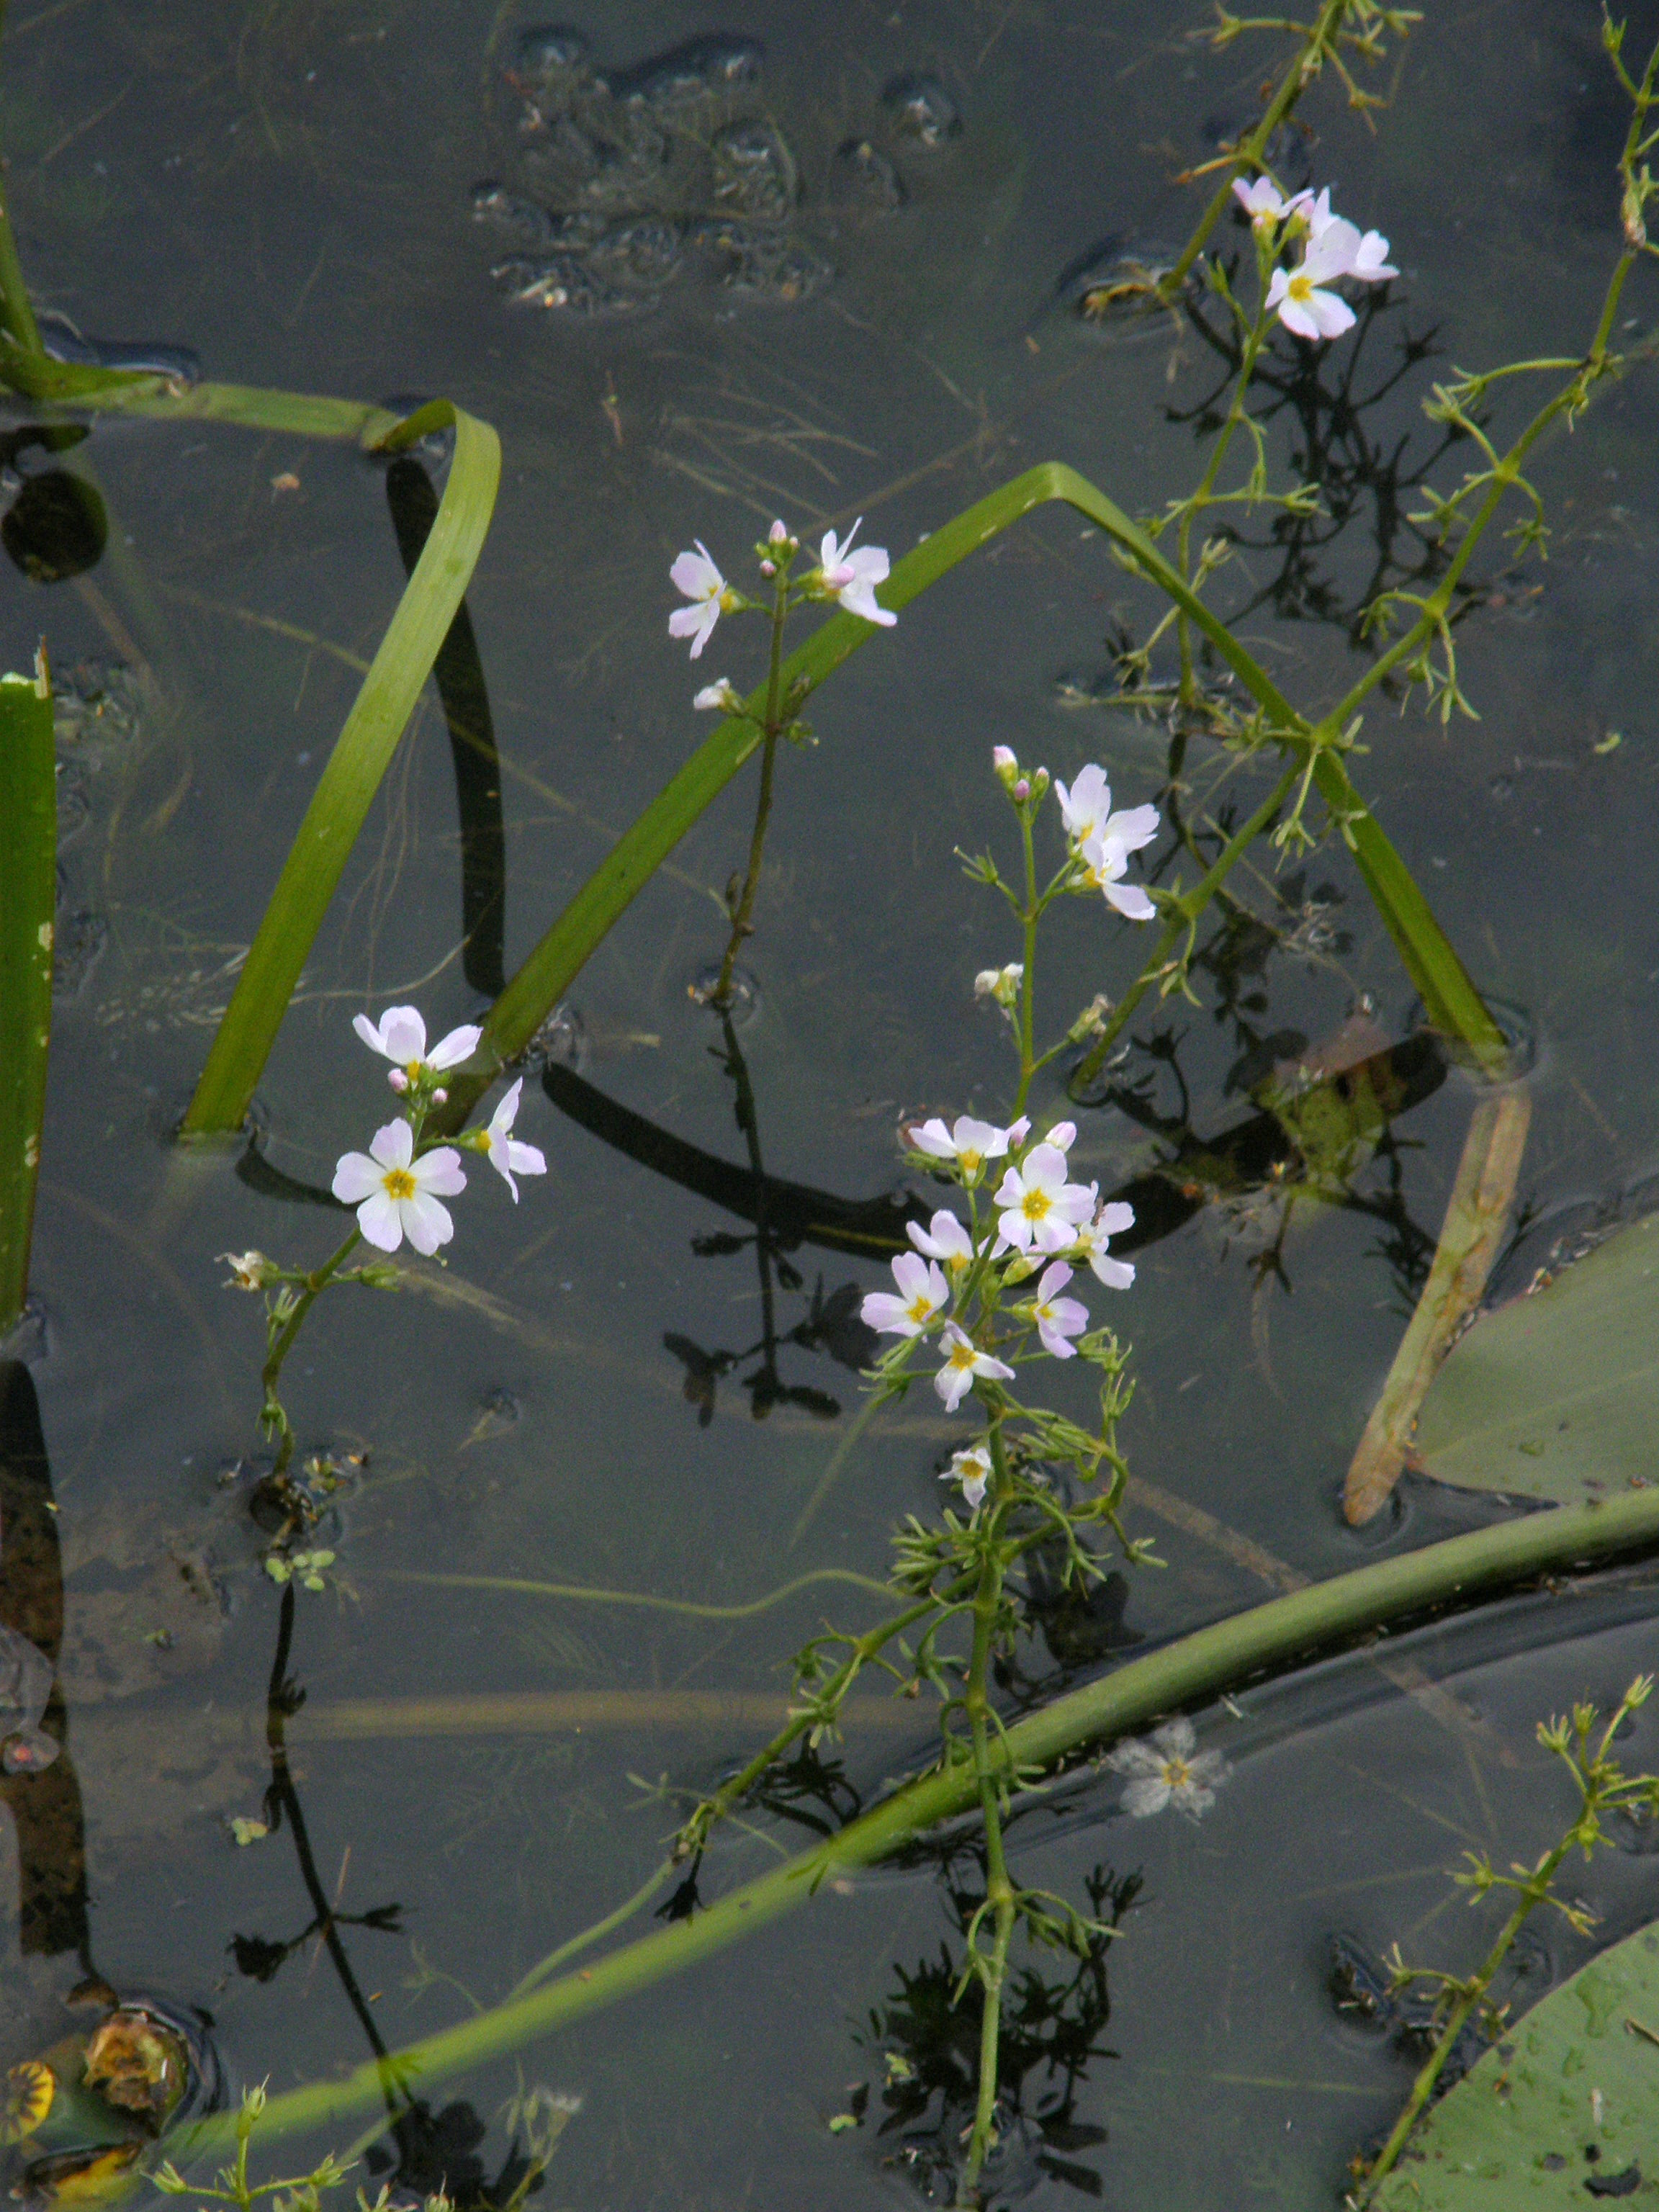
{"x":1557,"y":1395}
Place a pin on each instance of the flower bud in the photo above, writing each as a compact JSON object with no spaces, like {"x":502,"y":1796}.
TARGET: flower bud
{"x":1020,"y":789}
{"x":777,"y":535}
{"x":718,"y":696}
{"x":769,"y":568}
{"x":249,"y":1271}
{"x":1040,"y":781}
{"x":441,"y":1097}
{"x":397,"y":1078}
{"x":1005,"y":765}
{"x":1002,"y":984}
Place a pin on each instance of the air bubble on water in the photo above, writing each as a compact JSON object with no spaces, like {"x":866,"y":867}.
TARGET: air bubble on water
{"x":560,"y":1042}
{"x":743,"y":1001}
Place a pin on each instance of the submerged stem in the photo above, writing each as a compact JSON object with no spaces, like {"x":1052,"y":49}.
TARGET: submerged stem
{"x":1531,"y":1898}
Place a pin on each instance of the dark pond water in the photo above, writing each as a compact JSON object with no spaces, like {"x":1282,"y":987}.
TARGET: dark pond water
{"x":288,"y":189}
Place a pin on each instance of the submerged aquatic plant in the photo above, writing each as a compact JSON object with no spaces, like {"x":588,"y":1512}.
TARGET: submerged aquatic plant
{"x":1583,"y":1743}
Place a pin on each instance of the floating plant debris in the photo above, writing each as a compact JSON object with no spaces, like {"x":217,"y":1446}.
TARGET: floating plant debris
{"x":610,"y":176}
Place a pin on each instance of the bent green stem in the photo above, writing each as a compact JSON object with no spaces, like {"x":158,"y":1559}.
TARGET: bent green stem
{"x":1193,"y":1670}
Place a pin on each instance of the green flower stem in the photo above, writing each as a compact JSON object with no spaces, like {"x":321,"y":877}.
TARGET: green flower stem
{"x":741,"y":918}
{"x":990,"y":1779}
{"x":1248,"y":153}
{"x":1193,"y":1670}
{"x":273,"y":1415}
{"x":1183,"y":913}
{"x":1029,"y":915}
{"x":1200,"y":498}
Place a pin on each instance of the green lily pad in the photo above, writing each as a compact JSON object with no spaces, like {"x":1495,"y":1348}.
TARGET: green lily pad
{"x":1563,"y":2112}
{"x":1557,"y":1395}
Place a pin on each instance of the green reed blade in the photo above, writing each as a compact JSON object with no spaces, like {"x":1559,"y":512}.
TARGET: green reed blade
{"x":361,"y":757}
{"x":1190,"y":1672}
{"x":1451,"y":998}
{"x":1455,"y":1007}
{"x":28,"y":874}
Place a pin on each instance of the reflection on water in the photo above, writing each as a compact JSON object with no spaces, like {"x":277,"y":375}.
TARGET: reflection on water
{"x":771,"y":282}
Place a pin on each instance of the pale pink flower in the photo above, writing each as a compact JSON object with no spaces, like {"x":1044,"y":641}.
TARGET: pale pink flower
{"x":1104,"y":866}
{"x":1370,"y":263}
{"x":1262,"y":202}
{"x":400,"y":1034}
{"x":720,"y":696}
{"x":923,"y":1295}
{"x":1058,"y":1319}
{"x":1086,"y":811}
{"x":943,"y":1238}
{"x":970,"y":1144}
{"x":964,"y":1364}
{"x":1039,"y":1208}
{"x":1302,"y":305}
{"x":1092,"y":1237}
{"x":852,"y":577}
{"x":696,"y":576}
{"x":972,"y":1469}
{"x":502,"y":1149}
{"x":396,"y":1194}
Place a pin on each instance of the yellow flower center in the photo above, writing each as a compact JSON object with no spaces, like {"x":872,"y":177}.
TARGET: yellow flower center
{"x":921,"y":1307}
{"x":1176,"y":1773}
{"x":1035,"y":1205}
{"x":486,"y":1142}
{"x":397,"y":1183}
{"x":970,"y":1162}
{"x":412,"y":1070}
{"x":961,"y":1355}
{"x":1300,"y":287}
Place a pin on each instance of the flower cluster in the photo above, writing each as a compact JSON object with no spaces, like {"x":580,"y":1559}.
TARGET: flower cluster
{"x":1334,"y":248}
{"x":1100,"y":843}
{"x":398,"y":1186}
{"x":949,"y":1289}
{"x":846,"y":576}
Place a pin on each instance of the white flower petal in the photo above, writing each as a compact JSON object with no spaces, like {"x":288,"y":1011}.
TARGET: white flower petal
{"x":403,"y":1035}
{"x":381,"y":1221}
{"x":439,"y":1171}
{"x":1149,"y":1796}
{"x":393,"y":1144}
{"x":354,"y":1175}
{"x":426,"y":1223}
{"x":459,"y":1045}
